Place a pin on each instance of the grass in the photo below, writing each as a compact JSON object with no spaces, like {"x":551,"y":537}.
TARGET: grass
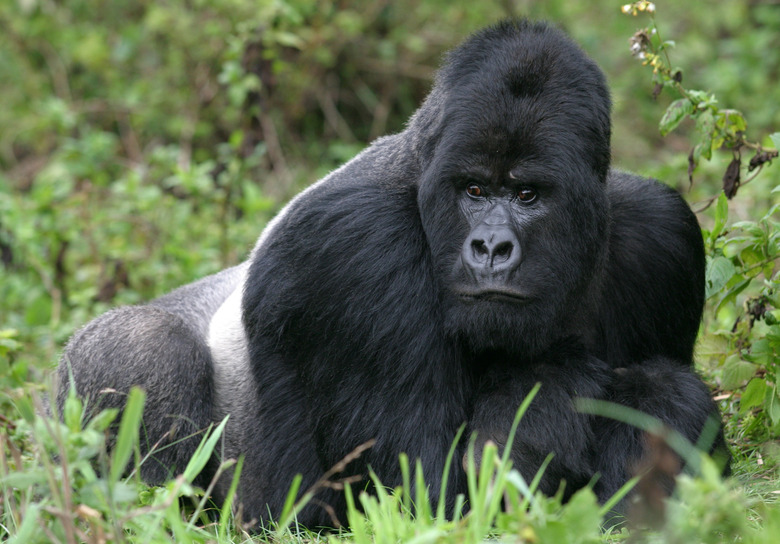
{"x":59,"y":483}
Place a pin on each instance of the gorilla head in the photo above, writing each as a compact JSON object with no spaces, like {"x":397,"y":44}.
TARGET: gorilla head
{"x":517,"y":134}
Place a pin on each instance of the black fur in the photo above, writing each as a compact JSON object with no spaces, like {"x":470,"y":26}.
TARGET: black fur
{"x":414,"y":290}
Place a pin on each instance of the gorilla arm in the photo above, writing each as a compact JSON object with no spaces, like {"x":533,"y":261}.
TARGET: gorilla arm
{"x":551,"y":425}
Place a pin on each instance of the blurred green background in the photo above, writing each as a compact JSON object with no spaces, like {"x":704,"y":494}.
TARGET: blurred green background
{"x":144,"y":144}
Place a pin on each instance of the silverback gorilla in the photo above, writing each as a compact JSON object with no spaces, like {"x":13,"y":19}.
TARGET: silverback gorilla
{"x":430,"y":282}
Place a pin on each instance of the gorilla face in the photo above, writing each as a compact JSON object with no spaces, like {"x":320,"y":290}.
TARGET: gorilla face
{"x":513,"y":200}
{"x":531,"y":243}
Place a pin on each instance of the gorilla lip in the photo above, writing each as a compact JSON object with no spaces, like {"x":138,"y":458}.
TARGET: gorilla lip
{"x":493,"y":295}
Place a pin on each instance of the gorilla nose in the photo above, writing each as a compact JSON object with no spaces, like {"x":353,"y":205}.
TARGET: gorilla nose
{"x":491,"y":250}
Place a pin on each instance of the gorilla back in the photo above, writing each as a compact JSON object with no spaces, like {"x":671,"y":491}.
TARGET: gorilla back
{"x":431,"y":282}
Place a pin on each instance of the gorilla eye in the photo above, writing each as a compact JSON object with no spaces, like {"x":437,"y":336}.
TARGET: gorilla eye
{"x":526,"y":194}
{"x":475,"y":191}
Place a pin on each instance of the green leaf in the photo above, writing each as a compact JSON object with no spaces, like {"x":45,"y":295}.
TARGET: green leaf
{"x":29,"y":528}
{"x":224,"y":513}
{"x":101,"y":421}
{"x":705,"y":127}
{"x":775,"y":137}
{"x":773,"y":406}
{"x":675,"y":113}
{"x":752,"y":228}
{"x":761,"y":352}
{"x":736,"y":285}
{"x":581,"y":516}
{"x":701,"y":99}
{"x":25,"y":407}
{"x":721,"y":216}
{"x":72,"y":411}
{"x":736,"y":372}
{"x":750,"y":257}
{"x":735,"y":121}
{"x":712,"y":345}
{"x":23,"y":480}
{"x":719,"y":271}
{"x":753,"y":395}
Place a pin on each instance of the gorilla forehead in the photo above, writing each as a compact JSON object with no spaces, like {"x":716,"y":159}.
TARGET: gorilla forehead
{"x":522,"y":135}
{"x":522,"y":91}
{"x":524,"y":58}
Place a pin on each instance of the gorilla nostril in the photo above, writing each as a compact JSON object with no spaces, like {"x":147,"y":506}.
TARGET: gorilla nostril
{"x":502,"y":251}
{"x":479,"y":249}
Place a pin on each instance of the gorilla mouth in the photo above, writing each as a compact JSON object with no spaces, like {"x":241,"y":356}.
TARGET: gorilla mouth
{"x":493,"y":295}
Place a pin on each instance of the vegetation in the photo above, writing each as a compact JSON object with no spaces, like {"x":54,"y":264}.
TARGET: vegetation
{"x":145,"y":144}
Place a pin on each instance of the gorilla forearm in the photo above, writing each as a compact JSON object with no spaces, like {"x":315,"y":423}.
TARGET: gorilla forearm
{"x":552,"y":424}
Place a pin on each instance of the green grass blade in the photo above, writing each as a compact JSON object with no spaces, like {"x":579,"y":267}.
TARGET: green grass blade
{"x":516,"y":423}
{"x":224,"y":512}
{"x":645,"y":422}
{"x":445,"y":477}
{"x":29,"y":527}
{"x":618,"y":496}
{"x":204,"y":450}
{"x":288,"y":510}
{"x":127,"y":437}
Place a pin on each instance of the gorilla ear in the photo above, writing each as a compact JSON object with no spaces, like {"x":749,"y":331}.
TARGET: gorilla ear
{"x":425,"y":126}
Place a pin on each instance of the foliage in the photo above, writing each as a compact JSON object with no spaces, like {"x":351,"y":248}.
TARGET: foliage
{"x":59,"y":483}
{"x":742,"y":276}
{"x":716,"y":127}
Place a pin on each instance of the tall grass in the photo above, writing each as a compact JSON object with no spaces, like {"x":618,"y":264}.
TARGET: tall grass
{"x":59,"y":483}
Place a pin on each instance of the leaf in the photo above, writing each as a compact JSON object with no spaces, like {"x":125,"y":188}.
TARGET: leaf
{"x":761,"y":352}
{"x":705,"y":127}
{"x":775,"y":137}
{"x":29,"y":527}
{"x":761,"y":158}
{"x":102,"y":421}
{"x":719,"y":271}
{"x":701,"y":98}
{"x":675,"y":113}
{"x":72,"y":411}
{"x":287,"y":514}
{"x":753,"y":395}
{"x":750,"y":257}
{"x":581,"y":516}
{"x":25,"y":408}
{"x":23,"y":480}
{"x":712,"y":345}
{"x":773,"y":406}
{"x":736,"y":372}
{"x":735,"y":121}
{"x":721,"y":216}
{"x":224,"y":513}
{"x":736,"y":285}
{"x":753,"y":229}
